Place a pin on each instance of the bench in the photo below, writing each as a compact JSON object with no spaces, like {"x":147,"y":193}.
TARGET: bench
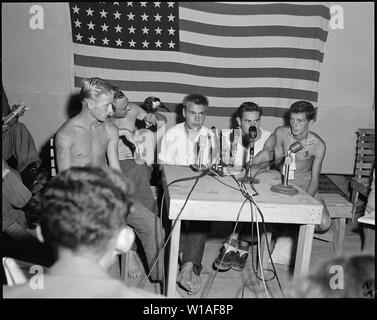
{"x":339,"y":209}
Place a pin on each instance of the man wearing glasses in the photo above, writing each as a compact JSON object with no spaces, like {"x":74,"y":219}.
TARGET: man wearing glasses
{"x":233,"y":254}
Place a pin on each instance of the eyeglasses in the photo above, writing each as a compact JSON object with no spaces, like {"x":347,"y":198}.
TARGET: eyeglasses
{"x":247,"y":121}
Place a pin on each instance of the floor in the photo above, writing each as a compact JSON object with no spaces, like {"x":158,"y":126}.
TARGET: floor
{"x":233,"y":284}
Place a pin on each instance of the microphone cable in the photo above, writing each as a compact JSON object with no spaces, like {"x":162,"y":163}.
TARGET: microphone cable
{"x":142,"y":281}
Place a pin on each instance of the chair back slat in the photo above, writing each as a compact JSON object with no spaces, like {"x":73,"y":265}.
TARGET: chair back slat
{"x":53,"y":169}
{"x":365,"y":157}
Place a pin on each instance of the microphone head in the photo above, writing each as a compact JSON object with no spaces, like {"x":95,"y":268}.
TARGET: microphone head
{"x":152,"y":103}
{"x":295,"y":147}
{"x":252,"y":132}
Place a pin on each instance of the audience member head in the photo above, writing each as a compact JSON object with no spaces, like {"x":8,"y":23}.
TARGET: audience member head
{"x":97,"y":96}
{"x":195,"y":108}
{"x":248,"y":114}
{"x":342,"y":277}
{"x":84,"y":212}
{"x":301,"y":114}
{"x":121,"y":105}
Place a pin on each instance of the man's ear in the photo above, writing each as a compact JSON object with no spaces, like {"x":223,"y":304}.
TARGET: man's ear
{"x":89,"y":104}
{"x":184,"y":112}
{"x":38,"y":231}
{"x":238,"y":119}
{"x":125,"y":239}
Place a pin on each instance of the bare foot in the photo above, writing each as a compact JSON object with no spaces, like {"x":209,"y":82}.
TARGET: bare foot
{"x":134,"y":265}
{"x":188,"y":280}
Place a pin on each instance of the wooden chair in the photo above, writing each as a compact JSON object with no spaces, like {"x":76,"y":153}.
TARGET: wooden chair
{"x":365,"y":157}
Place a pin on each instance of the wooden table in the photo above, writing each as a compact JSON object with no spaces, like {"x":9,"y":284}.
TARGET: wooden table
{"x":213,"y":201}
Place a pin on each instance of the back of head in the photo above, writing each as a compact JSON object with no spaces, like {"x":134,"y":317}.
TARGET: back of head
{"x":195,"y":98}
{"x":342,"y":277}
{"x":248,"y":106}
{"x":303,"y":107}
{"x":85,"y":207}
{"x":92,"y":88}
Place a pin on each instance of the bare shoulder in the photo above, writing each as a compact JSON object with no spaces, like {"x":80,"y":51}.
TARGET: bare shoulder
{"x":66,"y":132}
{"x":281,"y":132}
{"x":111,"y":128}
{"x":317,"y":140}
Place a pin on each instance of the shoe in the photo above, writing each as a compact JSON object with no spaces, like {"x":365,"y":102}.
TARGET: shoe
{"x":240,"y":262}
{"x":225,"y":259}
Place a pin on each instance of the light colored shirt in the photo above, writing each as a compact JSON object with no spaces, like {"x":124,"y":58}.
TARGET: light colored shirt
{"x":243,"y":154}
{"x":178,"y":149}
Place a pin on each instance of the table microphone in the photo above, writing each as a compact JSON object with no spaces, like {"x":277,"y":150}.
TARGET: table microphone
{"x":285,"y":188}
{"x":202,"y":142}
{"x":253,"y":132}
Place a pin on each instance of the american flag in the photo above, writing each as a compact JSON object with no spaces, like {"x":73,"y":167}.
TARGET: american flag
{"x":268,"y":53}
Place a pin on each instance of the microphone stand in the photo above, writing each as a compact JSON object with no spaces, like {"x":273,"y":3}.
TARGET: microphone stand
{"x":248,"y":176}
{"x":285,"y":188}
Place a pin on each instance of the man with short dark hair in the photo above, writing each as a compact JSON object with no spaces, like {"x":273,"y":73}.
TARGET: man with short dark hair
{"x":84,"y":219}
{"x":305,"y":165}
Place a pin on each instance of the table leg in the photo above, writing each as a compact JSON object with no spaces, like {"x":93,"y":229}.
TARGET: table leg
{"x":263,"y":248}
{"x":304,"y":250}
{"x":173,"y":259}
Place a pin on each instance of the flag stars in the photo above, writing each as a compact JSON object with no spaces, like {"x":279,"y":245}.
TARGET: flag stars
{"x":145,"y":44}
{"x":104,"y":27}
{"x":144,"y":17}
{"x":103,"y":14}
{"x":118,"y":28}
{"x":132,"y":43}
{"x":170,"y":4}
{"x":157,"y":4}
{"x":116,"y":3}
{"x":171,"y":44}
{"x":76,"y":9}
{"x":157,"y":17}
{"x":143,"y":4}
{"x":119,"y":42}
{"x":117,"y":15}
{"x":89,"y":12}
{"x":171,"y":31}
{"x":158,"y":44}
{"x":90,"y":25}
{"x":105,"y":41}
{"x":158,"y":30}
{"x":92,"y":39}
{"x":171,"y":17}
{"x":78,"y":37}
{"x":129,"y":4}
{"x":145,"y":30}
{"x":77,"y":23}
{"x":130,"y":16}
{"x":132,"y":29}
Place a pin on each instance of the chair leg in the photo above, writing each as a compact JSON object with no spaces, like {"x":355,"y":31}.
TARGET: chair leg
{"x":355,"y":196}
{"x":340,"y":226}
{"x":124,"y":266}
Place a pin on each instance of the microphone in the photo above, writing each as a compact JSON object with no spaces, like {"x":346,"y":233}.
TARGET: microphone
{"x":253,"y":132}
{"x":201,"y":145}
{"x":285,"y":188}
{"x":151,"y":104}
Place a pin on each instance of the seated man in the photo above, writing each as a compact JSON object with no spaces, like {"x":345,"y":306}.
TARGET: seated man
{"x":89,"y":139}
{"x":178,"y":147}
{"x":84,"y":219}
{"x":234,"y":253}
{"x":305,"y":166}
{"x":124,"y":117}
{"x":19,"y":149}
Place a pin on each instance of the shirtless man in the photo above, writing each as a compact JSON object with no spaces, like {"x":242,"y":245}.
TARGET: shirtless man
{"x":304,"y":170}
{"x":306,"y":164}
{"x":89,"y":138}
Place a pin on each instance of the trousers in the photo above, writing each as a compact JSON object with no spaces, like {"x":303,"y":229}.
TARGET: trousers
{"x":18,"y":142}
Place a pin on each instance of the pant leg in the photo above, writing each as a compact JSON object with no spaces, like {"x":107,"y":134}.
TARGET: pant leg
{"x":18,"y":142}
{"x":139,"y":175}
{"x":148,"y":228}
{"x":196,"y":237}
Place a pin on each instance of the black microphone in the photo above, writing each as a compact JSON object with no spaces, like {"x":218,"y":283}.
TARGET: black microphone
{"x":151,"y":104}
{"x":252,"y":132}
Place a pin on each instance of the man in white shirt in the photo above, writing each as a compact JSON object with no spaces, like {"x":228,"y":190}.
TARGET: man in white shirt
{"x":234,"y":253}
{"x":179,"y":147}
